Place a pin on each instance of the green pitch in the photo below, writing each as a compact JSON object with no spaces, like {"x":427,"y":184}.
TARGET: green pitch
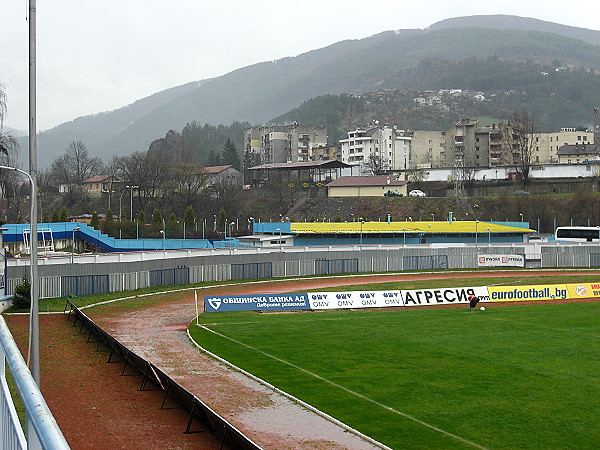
{"x":523,"y":376}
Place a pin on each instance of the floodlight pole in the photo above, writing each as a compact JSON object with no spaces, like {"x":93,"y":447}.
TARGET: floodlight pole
{"x":476,"y":243}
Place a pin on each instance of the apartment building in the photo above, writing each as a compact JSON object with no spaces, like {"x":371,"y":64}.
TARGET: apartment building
{"x":426,"y":147}
{"x":284,"y":143}
{"x":469,"y":145}
{"x":549,"y":143}
{"x":380,"y":148}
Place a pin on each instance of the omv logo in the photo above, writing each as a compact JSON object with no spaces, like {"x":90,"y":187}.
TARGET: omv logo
{"x":215,"y":303}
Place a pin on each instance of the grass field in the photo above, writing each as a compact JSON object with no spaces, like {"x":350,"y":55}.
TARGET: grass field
{"x":522,"y":376}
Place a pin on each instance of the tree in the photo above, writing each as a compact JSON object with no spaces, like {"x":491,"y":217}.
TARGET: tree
{"x":221,"y":220}
{"x":141,"y":217}
{"x":157,"y":218}
{"x":519,"y":142}
{"x":8,"y":142}
{"x":22,"y":294}
{"x":79,"y":161}
{"x":64,"y":215}
{"x":230,"y":154}
{"x":251,"y":159}
{"x":9,"y":148}
{"x":376,"y":164}
{"x":95,"y":222}
{"x":153,"y":176}
{"x":190,"y":181}
{"x":189,"y":217}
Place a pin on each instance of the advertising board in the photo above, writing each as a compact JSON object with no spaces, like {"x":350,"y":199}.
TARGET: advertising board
{"x":214,"y":303}
{"x":354,"y":299}
{"x":443,"y":296}
{"x":500,"y":260}
{"x":584,"y":290}
{"x":528,"y":293}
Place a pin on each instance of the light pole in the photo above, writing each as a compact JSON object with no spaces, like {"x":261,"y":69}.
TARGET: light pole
{"x":521,"y":214}
{"x":34,"y":311}
{"x":73,"y":242}
{"x":279,"y":231}
{"x":120,"y":206}
{"x":489,"y":235}
{"x":476,"y":243}
{"x":251,"y":224}
{"x":404,"y":233}
{"x":433,"y":217}
{"x":131,"y":188}
{"x":361,"y":220}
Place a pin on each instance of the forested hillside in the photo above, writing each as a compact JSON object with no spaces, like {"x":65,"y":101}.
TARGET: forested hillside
{"x":556,"y":98}
{"x":394,"y":59}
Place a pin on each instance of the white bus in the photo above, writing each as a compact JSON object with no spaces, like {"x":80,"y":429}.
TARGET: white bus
{"x":577,"y":234}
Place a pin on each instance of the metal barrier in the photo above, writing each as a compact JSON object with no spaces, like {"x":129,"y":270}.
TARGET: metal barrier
{"x":150,"y":373}
{"x":425,"y":262}
{"x":84,"y":285}
{"x":331,"y":266}
{"x":167,"y":277}
{"x":42,"y":429}
{"x":251,"y":271}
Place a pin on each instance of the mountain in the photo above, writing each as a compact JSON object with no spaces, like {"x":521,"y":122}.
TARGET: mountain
{"x":504,"y":22}
{"x":259,"y":92}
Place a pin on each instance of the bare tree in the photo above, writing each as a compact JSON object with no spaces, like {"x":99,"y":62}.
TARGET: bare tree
{"x":152,"y":176}
{"x":9,"y":148}
{"x":519,"y":140}
{"x":376,"y":164}
{"x":81,"y":164}
{"x":9,"y":145}
{"x":190,"y":181}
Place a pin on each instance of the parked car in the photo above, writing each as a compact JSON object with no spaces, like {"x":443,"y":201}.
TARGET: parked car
{"x":392,"y":194}
{"x":417,"y":193}
{"x":520,"y":193}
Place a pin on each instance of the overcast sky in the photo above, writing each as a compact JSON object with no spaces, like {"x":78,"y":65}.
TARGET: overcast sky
{"x":95,"y":56}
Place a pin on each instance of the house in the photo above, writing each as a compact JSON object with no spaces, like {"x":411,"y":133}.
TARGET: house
{"x":375,"y":186}
{"x":578,"y":153}
{"x":216,"y":175}
{"x":99,"y":184}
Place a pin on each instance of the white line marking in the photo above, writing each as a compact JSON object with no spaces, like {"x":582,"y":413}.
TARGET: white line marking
{"x":361,"y":396}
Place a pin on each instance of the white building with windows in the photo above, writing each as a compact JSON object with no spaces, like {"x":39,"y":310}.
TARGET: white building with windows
{"x":547,"y":144}
{"x":377,"y":148}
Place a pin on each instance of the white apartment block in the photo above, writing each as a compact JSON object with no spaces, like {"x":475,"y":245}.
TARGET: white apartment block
{"x":386,"y":147}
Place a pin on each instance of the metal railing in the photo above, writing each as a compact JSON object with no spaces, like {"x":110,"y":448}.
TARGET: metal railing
{"x":42,"y":430}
